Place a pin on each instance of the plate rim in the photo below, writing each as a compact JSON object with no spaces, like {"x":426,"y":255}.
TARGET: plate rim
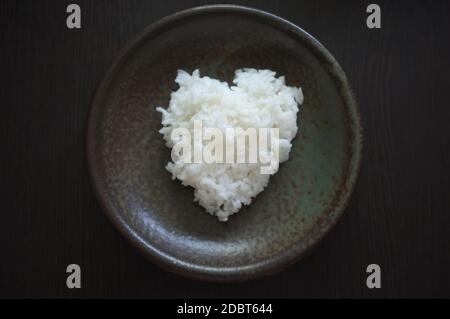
{"x":224,"y":274}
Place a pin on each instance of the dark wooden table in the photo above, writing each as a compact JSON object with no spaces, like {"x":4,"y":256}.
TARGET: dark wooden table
{"x":399,"y":216}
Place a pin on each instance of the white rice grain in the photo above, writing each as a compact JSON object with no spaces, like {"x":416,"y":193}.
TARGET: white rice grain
{"x":258,"y":99}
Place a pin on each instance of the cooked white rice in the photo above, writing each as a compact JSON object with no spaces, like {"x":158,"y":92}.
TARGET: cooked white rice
{"x":258,"y":99}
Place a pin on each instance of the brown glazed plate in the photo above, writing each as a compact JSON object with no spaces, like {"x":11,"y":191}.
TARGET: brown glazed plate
{"x":127,"y":157}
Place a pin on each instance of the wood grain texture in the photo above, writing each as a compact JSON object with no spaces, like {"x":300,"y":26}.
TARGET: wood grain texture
{"x":399,"y":216}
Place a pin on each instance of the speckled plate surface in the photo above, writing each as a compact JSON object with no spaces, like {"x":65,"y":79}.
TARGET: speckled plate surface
{"x":126,"y":154}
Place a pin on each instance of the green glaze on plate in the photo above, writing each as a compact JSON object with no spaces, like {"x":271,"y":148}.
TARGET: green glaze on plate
{"x":126,"y":154}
